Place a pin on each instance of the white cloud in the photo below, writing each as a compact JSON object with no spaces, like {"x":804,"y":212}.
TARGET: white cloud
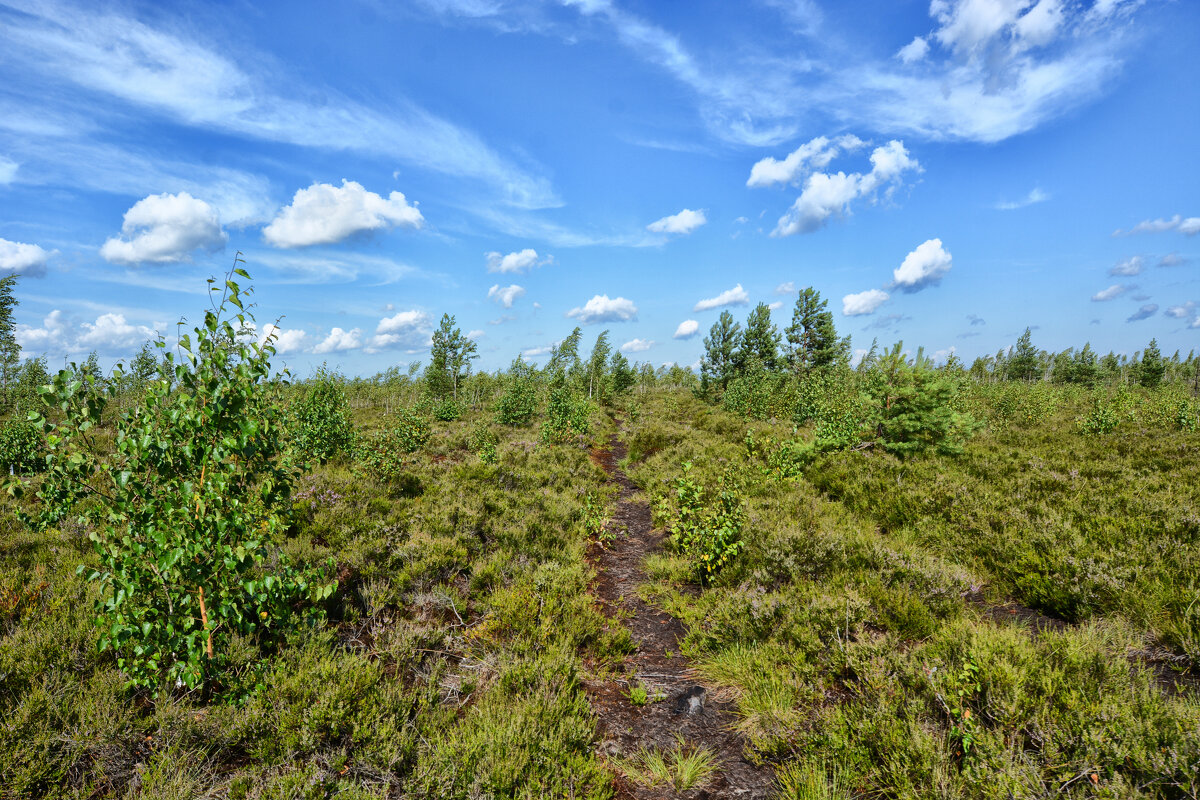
{"x":1130,"y":266}
{"x":788,"y":287}
{"x":339,"y":341}
{"x":914,"y":51}
{"x":1112,"y":292}
{"x":476,"y":334}
{"x":286,"y":341}
{"x":602,"y":309}
{"x":978,"y":81}
{"x":110,"y":334}
{"x":1184,"y":311}
{"x":165,"y":229}
{"x":812,"y":155}
{"x":325,"y":214}
{"x":923,"y":267}
{"x":854,"y":305}
{"x":684,"y":222}
{"x":410,"y":331}
{"x":520,"y":261}
{"x":776,"y":305}
{"x":730,"y":297}
{"x":1172,"y":260}
{"x":687,"y":329}
{"x":50,"y":338}
{"x":827,"y":195}
{"x":505,"y":295}
{"x":1036,"y":195}
{"x":1189,"y":226}
{"x":8,"y":170}
{"x":637,"y":346}
{"x":18,"y":258}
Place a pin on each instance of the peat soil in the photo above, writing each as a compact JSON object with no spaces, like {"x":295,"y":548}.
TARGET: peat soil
{"x":682,"y":709}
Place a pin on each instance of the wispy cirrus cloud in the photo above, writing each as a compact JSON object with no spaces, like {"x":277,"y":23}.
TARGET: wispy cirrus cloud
{"x":103,"y":55}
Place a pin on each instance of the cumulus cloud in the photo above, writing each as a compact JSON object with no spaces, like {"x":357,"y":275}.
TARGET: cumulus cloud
{"x":1113,"y":292}
{"x":1189,"y":226}
{"x":812,"y":155}
{"x":828,"y":195}
{"x":505,"y":295}
{"x":914,"y":51}
{"x":637,"y":346}
{"x":1130,"y":266}
{"x":1183,"y":311}
{"x":1035,"y":195}
{"x":340,"y":340}
{"x":788,"y":287}
{"x":854,"y":305}
{"x":476,"y":334}
{"x":602,"y":309}
{"x":684,"y":222}
{"x":8,"y":170}
{"x":1145,"y":312}
{"x":1172,"y":260}
{"x":285,"y":341}
{"x":730,"y":297}
{"x":520,"y":261}
{"x":923,"y":267}
{"x":165,"y":229}
{"x":109,"y":334}
{"x":410,"y":331}
{"x":687,"y":329}
{"x":325,"y":214}
{"x":18,"y":258}
{"x":976,"y":320}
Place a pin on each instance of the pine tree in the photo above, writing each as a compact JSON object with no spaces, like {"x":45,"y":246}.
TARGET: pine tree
{"x":761,"y":340}
{"x":1150,"y":373}
{"x":720,"y":352}
{"x":1023,"y":363}
{"x":10,"y":351}
{"x":812,"y":339}
{"x":623,"y":376}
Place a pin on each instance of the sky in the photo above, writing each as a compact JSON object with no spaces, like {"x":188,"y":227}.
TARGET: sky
{"x":944,"y":173}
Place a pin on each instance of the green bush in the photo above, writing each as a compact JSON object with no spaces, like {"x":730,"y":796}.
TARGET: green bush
{"x":566,"y":416}
{"x":705,"y":526}
{"x":320,"y":421}
{"x":22,"y":447}
{"x":186,"y":508}
{"x":520,"y":399}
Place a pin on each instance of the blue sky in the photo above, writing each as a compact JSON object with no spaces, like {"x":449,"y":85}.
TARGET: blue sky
{"x":945,"y":173}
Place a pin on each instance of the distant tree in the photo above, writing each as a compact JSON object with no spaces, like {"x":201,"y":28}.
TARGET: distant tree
{"x":450,"y":359}
{"x":760,"y":340}
{"x":596,"y":365}
{"x":1024,"y":362}
{"x":10,"y":351}
{"x":720,"y":352}
{"x":1150,"y":372}
{"x":564,"y":356}
{"x":812,"y":339}
{"x":621,"y":374}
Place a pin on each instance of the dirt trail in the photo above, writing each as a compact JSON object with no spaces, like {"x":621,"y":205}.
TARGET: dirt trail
{"x":689,"y":709}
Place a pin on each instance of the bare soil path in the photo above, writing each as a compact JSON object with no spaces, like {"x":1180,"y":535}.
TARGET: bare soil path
{"x":689,"y":710}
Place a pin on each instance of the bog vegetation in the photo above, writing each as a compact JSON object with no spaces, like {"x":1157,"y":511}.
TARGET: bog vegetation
{"x":917,"y":579}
